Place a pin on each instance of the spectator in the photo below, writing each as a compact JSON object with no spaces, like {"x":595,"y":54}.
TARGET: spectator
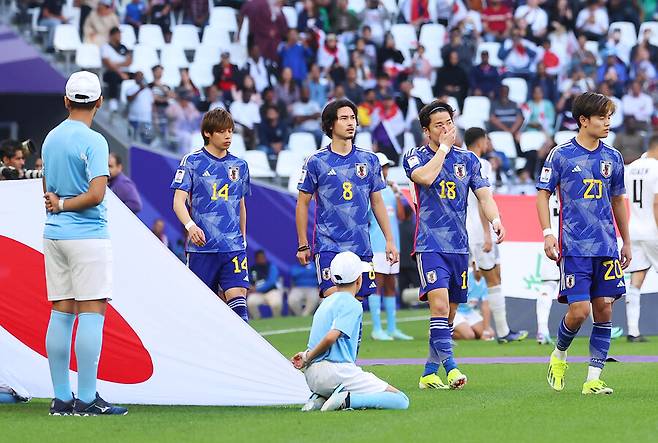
{"x":484,"y":78}
{"x":225,"y":77}
{"x":390,"y":59}
{"x":99,"y":23}
{"x":303,"y":298}
{"x":464,"y":48}
{"x":267,"y":24}
{"x":388,"y":127}
{"x":50,"y":17}
{"x":625,"y":11}
{"x":248,"y":84}
{"x":214,"y":99}
{"x":196,"y":12}
{"x":159,"y":13}
{"x":638,"y":105}
{"x":533,"y":20}
{"x":353,"y":90}
{"x":287,"y":90}
{"x":38,"y":164}
{"x":384,"y":87}
{"x":135,"y":13}
{"x":332,"y":58}
{"x":338,"y":92}
{"x":642,"y":65}
{"x":272,"y":133}
{"x":367,"y":108}
{"x":86,"y":6}
{"x":258,"y":68}
{"x":116,"y":60}
{"x":550,"y":59}
{"x":619,"y":46}
{"x":188,"y":85}
{"x":312,"y":18}
{"x":592,"y":21}
{"x":410,"y":106}
{"x":612,"y":71}
{"x":546,"y":82}
{"x":365,"y":76}
{"x":264,"y":278}
{"x":565,"y":120}
{"x":561,"y":15}
{"x":161,"y":95}
{"x":122,"y":186}
{"x":306,"y":116}
{"x":375,"y":17}
{"x":185,"y":119}
{"x":344,"y":22}
{"x":617,"y":118}
{"x":318,"y":86}
{"x":158,"y":230}
{"x":578,"y":82}
{"x":452,"y":80}
{"x":420,"y":65}
{"x":645,"y":42}
{"x":518,"y":54}
{"x":449,"y":13}
{"x":367,"y":48}
{"x":416,"y":12}
{"x":496,"y":21}
{"x":294,"y":55}
{"x":270,"y":99}
{"x":140,"y":109}
{"x":13,"y":156}
{"x":246,"y":116}
{"x":540,"y":116}
{"x":630,"y":141}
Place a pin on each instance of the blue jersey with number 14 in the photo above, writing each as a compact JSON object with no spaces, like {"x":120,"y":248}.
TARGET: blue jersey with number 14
{"x":215,"y":187}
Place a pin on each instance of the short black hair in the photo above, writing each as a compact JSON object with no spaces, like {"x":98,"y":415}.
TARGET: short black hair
{"x":330,"y":114}
{"x":426,"y":112}
{"x":590,"y":104}
{"x":83,"y":106}
{"x":472,"y":135}
{"x":9,"y":147}
{"x":117,"y":158}
{"x":114,"y":30}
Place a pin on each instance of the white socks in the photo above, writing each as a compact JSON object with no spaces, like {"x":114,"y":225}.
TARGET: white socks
{"x":562,"y":355}
{"x":498,"y":311}
{"x":633,"y":310}
{"x":544,"y":303}
{"x":593,"y":373}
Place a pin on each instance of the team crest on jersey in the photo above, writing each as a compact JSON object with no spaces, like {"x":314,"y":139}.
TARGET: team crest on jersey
{"x":606,"y":168}
{"x":570,"y":281}
{"x":234,"y":173}
{"x":431,"y":277}
{"x":326,"y":273}
{"x":178,"y":178}
{"x":545,"y":176}
{"x":460,"y":170}
{"x":361,"y":170}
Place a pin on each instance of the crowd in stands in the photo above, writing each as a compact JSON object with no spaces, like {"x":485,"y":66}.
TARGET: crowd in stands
{"x":512,"y":67}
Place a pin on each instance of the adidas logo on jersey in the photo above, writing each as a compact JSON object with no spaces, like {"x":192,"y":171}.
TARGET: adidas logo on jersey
{"x":206,"y":174}
{"x":331,"y":172}
{"x":577,"y":169}
{"x":373,"y":285}
{"x":620,"y":284}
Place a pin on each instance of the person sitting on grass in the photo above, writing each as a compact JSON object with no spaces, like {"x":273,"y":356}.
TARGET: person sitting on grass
{"x":331,"y":372}
{"x":473,"y":318}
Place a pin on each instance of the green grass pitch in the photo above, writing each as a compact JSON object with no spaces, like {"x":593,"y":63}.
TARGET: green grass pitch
{"x":501,"y":403}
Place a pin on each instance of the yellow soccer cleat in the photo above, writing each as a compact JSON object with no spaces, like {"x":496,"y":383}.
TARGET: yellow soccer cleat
{"x":596,"y":387}
{"x":556,"y":370}
{"x":456,"y":379}
{"x":431,"y":381}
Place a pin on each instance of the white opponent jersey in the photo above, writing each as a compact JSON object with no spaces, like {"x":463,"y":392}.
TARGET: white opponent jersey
{"x":642,"y":185}
{"x":549,"y":269}
{"x":473,"y":223}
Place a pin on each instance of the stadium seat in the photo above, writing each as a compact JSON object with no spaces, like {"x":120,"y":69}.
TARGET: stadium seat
{"x":128,"y":37}
{"x":144,"y":58}
{"x":610,"y":139}
{"x":34,"y":18}
{"x":303,"y":142}
{"x":475,"y":112}
{"x":628,"y":35}
{"x":288,"y":162}
{"x":654,"y":32}
{"x":503,"y":142}
{"x":88,"y":56}
{"x":391,"y":6}
{"x":593,"y":47}
{"x":196,"y":141}
{"x":185,"y":36}
{"x":201,"y":74}
{"x":561,"y":137}
{"x":532,"y":140}
{"x":208,"y":54}
{"x":125,"y":85}
{"x":363,"y":140}
{"x":492,"y":48}
{"x":173,"y":56}
{"x":293,"y":181}
{"x":325,"y":141}
{"x":518,"y":89}
{"x":454,"y":104}
{"x":291,"y":16}
{"x":171,"y":76}
{"x":259,"y":167}
{"x":238,"y":148}
{"x":397,"y":175}
{"x":238,"y":54}
{"x":432,"y":37}
{"x":216,"y":37}
{"x":151,"y":35}
{"x":66,"y":38}
{"x":224,"y":17}
{"x":409,"y":141}
{"x":72,"y":14}
{"x":423,"y":90}
{"x":405,"y":36}
{"x":356,"y":5}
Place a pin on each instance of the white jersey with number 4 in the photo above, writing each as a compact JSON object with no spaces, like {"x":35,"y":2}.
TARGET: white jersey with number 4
{"x":642,"y":186}
{"x":473,"y":222}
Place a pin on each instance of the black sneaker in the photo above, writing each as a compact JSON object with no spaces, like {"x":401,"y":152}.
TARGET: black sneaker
{"x":638,"y":339}
{"x":19,"y":398}
{"x":97,"y":407}
{"x":60,"y":407}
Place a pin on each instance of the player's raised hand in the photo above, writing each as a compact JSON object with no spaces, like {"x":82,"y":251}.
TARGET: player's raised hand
{"x":499,"y":229}
{"x":550,"y":247}
{"x":626,"y":256}
{"x":392,"y":254}
{"x":197,"y":236}
{"x":448,"y":137}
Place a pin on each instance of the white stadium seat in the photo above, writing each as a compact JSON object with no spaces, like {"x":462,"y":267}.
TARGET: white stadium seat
{"x":217,"y":37}
{"x":259,"y":166}
{"x":628,"y":35}
{"x":654,"y":32}
{"x":128,"y":37}
{"x":88,"y":56}
{"x":432,"y":34}
{"x":201,"y":73}
{"x":66,"y":38}
{"x":125,"y":86}
{"x":561,"y":137}
{"x":405,"y":36}
{"x":238,"y":148}
{"x":144,"y":58}
{"x":423,"y":90}
{"x":185,"y":36}
{"x":610,"y":139}
{"x":492,"y":48}
{"x":325,"y":141}
{"x":151,"y":35}
{"x":291,"y":16}
{"x":208,"y":54}
{"x":288,"y":162}
{"x":356,"y":5}
{"x":171,"y":76}
{"x":475,"y":112}
{"x":224,"y":17}
{"x":518,"y":89}
{"x":503,"y":142}
{"x":302,"y":142}
{"x":363,"y":140}
{"x":532,"y":140}
{"x":173,"y":56}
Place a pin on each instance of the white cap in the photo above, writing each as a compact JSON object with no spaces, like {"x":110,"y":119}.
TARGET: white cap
{"x":83,"y":87}
{"x":346,"y":268}
{"x":383,"y":160}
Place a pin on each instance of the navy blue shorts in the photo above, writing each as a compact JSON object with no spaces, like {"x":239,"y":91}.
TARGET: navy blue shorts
{"x":586,"y":278}
{"x":223,"y":270}
{"x":438,"y":270}
{"x":322,"y":263}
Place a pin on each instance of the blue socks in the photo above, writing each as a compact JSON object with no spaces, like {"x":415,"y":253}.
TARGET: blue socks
{"x":375,"y":304}
{"x":390,"y":305}
{"x":441,"y":342}
{"x":58,"y":348}
{"x":239,"y":306}
{"x":599,"y":343}
{"x":379,"y":400}
{"x":565,"y":336}
{"x":433,"y":362}
{"x":88,"y":343}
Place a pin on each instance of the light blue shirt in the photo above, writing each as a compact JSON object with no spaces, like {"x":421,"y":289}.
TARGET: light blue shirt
{"x":477,"y":293}
{"x":343,"y":312}
{"x":73,"y":155}
{"x":377,"y":239}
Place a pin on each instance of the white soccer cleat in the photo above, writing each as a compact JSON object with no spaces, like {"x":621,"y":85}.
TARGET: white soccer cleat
{"x":337,"y":401}
{"x":314,"y":403}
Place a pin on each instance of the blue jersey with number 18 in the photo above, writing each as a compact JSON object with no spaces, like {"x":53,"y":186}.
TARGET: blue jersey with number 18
{"x":215,"y":187}
{"x":585,"y":181}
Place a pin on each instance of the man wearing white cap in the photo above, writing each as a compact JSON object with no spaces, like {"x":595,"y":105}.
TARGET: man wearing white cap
{"x":77,"y":248}
{"x":331,"y":372}
{"x":385,"y":272}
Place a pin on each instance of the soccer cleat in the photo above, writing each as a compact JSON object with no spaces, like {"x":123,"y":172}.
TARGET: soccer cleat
{"x":340,"y":399}
{"x":456,"y":379}
{"x":399,"y":335}
{"x":380,"y":335}
{"x":556,"y":370}
{"x":19,"y":398}
{"x":431,"y":381}
{"x":636,"y":339}
{"x":513,"y":336}
{"x":616,"y":332}
{"x":544,"y":339}
{"x":61,"y":408}
{"x":97,"y":407}
{"x":314,"y":403}
{"x":596,"y":387}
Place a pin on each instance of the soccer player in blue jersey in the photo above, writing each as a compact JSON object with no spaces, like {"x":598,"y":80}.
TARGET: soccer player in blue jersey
{"x":346,"y":182}
{"x":77,"y":248}
{"x":213,"y":183}
{"x":588,"y":177}
{"x":442,"y":175}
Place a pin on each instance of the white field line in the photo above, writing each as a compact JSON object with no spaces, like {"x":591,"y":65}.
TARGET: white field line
{"x":308,"y":328}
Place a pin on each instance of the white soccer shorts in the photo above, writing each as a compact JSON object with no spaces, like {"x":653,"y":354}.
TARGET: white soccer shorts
{"x":645,"y":255}
{"x":78,"y":269}
{"x":486,"y":261}
{"x":472,"y":318}
{"x":548,"y":269}
{"x":382,"y":266}
{"x":324,"y":376}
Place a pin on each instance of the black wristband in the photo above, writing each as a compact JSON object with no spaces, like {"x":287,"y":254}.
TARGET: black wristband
{"x":303,"y":248}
